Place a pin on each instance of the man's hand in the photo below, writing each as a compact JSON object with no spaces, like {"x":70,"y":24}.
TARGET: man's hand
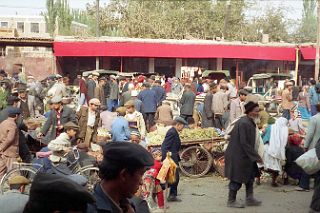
{"x":40,"y":135}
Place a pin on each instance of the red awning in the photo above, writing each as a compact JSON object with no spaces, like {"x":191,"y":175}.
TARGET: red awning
{"x":165,"y":50}
{"x":308,"y":53}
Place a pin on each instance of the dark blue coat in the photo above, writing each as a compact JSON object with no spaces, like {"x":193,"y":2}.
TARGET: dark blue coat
{"x":171,"y":143}
{"x":160,"y":93}
{"x":149,"y":100}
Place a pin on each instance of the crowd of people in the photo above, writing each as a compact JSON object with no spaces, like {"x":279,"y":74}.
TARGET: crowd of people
{"x":129,"y":108}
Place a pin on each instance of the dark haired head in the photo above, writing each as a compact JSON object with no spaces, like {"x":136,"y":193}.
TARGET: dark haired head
{"x":312,"y":82}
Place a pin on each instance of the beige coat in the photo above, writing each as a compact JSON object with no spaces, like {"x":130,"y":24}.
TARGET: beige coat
{"x":9,"y":138}
{"x":219,"y":102}
{"x":99,"y":93}
{"x":236,"y":109}
{"x":164,"y":115}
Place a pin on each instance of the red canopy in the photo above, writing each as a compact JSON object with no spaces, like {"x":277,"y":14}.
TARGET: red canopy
{"x":166,"y":50}
{"x":308,"y":53}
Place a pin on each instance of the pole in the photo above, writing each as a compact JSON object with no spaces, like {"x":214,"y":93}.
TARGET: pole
{"x":97,"y":19}
{"x":296,"y":67}
{"x":237,"y":74}
{"x":316,"y":71}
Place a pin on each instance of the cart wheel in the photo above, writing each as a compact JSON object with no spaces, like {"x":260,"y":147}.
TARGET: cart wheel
{"x":195,"y":161}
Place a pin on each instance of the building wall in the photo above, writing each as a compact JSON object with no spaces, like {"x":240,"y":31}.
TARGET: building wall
{"x":36,"y":61}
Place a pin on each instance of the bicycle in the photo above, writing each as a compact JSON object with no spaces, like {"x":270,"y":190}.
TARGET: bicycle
{"x":29,"y":170}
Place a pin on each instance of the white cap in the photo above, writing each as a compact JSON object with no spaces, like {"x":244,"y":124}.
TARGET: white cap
{"x":134,"y":93}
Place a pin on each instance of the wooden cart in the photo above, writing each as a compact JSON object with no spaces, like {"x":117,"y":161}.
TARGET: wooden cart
{"x":198,"y":156}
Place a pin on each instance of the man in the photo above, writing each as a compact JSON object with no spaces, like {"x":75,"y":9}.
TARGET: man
{"x":107,"y":118}
{"x":237,"y":105}
{"x":121,"y":172}
{"x":92,"y":83}
{"x":14,"y":200}
{"x":99,"y":91}
{"x":219,"y":107}
{"x":187,"y":102}
{"x":51,"y":193}
{"x":83,"y":90}
{"x":315,"y":202}
{"x":137,"y":102}
{"x":112,"y":101}
{"x":172,"y":143}
{"x":76,"y":81}
{"x":27,"y":106}
{"x":241,"y":157}
{"x":160,"y":92}
{"x":287,"y":99}
{"x":88,"y":120}
{"x":135,"y":137}
{"x":58,"y":117}
{"x":313,"y":132}
{"x":251,"y":97}
{"x":9,"y":141}
{"x":295,"y":91}
{"x":126,"y":96}
{"x":314,"y":96}
{"x":149,"y":102}
{"x":58,"y":89}
{"x":164,"y":114}
{"x":207,"y":115}
{"x":176,"y":86}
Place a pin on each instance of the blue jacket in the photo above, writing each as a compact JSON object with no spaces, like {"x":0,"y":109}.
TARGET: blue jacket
{"x":314,"y":96}
{"x":160,"y":93}
{"x":120,"y":129}
{"x":171,"y":143}
{"x":149,"y":100}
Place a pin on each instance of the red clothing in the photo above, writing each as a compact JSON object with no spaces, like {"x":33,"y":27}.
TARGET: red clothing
{"x":167,"y":87}
{"x":83,"y":88}
{"x":157,"y":166}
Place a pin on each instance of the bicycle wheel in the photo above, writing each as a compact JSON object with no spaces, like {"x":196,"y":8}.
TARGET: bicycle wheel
{"x":27,"y":172}
{"x":92,"y":174}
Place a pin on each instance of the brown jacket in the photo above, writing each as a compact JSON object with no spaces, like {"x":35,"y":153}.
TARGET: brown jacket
{"x":99,"y":93}
{"x":164,"y":115}
{"x":82,"y":117}
{"x":9,"y":138}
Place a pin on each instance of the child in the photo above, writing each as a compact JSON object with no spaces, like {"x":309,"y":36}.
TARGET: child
{"x":295,"y":122}
{"x":62,"y":144}
{"x":153,"y":171}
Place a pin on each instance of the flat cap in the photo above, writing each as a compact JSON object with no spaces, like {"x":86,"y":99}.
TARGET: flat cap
{"x":95,"y":73}
{"x":146,"y":84}
{"x":250,"y":106}
{"x":129,"y":154}
{"x":58,"y":76}
{"x":102,"y":79}
{"x":18,"y":179}
{"x":181,"y":120}
{"x":121,"y":110}
{"x":112,"y":77}
{"x":13,"y":98}
{"x":56,"y":99}
{"x":85,"y":74}
{"x":70,"y":125}
{"x":95,"y":101}
{"x":129,"y":103}
{"x":56,"y":188}
{"x":14,"y":111}
{"x":243,"y":92}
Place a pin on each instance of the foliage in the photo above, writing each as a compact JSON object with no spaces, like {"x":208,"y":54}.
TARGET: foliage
{"x":308,"y":27}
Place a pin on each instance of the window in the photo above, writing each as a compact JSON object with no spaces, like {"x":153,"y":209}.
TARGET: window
{"x":35,"y":27}
{"x":35,"y":48}
{"x":4,"y":24}
{"x":20,"y":26}
{"x":2,"y":51}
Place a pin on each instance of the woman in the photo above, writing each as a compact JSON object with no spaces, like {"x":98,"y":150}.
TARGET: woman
{"x":303,"y":103}
{"x":135,"y":119}
{"x":274,"y":154}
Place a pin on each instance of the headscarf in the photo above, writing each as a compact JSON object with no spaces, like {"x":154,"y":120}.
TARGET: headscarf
{"x":278,"y":139}
{"x":295,"y":139}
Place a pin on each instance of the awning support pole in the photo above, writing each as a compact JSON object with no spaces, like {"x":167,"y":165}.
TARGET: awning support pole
{"x":296,"y":67}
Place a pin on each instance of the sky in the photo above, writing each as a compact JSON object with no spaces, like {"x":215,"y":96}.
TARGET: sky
{"x":35,"y":7}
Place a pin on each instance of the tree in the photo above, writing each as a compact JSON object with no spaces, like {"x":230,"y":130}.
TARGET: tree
{"x":50,"y":16}
{"x":307,"y":31}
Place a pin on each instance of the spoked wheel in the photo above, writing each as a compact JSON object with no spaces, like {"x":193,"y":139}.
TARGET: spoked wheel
{"x":92,"y":174}
{"x":27,"y":172}
{"x":195,"y":161}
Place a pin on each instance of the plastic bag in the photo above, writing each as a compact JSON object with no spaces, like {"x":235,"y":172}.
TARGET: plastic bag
{"x":167,"y":172}
{"x":171,"y":177}
{"x":309,"y":162}
{"x":162,"y":175}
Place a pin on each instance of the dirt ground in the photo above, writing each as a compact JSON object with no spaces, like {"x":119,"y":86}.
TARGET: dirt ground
{"x":209,"y":194}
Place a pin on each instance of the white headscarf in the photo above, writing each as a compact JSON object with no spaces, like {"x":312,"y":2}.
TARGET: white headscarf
{"x":278,"y":139}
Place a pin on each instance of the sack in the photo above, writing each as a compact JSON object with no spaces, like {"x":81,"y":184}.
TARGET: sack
{"x":171,"y":177}
{"x":167,"y":172}
{"x":162,"y":175}
{"x":309,"y":162}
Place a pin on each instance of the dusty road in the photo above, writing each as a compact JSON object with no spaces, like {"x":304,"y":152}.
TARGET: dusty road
{"x":209,"y":194}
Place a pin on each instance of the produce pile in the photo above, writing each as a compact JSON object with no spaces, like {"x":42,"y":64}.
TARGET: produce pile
{"x":156,"y":138}
{"x":198,"y":134}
